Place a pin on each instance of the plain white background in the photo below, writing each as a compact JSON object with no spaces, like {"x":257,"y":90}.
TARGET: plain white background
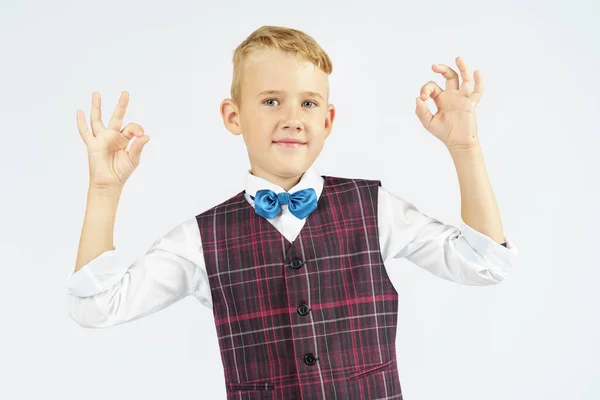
{"x":534,"y":336}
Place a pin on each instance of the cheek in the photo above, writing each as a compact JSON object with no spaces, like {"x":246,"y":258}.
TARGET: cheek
{"x":315,"y":144}
{"x":317,"y":122}
{"x":259,"y":138}
{"x":261,"y":125}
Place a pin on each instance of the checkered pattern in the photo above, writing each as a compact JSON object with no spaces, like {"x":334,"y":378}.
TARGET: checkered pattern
{"x":312,"y":319}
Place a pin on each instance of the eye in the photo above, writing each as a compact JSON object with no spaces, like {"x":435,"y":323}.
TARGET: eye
{"x":269,"y":100}
{"x":311,"y":102}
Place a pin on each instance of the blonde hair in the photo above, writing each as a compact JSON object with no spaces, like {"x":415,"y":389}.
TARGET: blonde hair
{"x":288,"y":40}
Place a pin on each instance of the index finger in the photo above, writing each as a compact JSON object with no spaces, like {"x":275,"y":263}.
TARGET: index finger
{"x":117,"y":117}
{"x":448,"y":73}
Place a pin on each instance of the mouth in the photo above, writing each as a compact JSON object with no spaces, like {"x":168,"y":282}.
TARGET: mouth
{"x":289,"y":143}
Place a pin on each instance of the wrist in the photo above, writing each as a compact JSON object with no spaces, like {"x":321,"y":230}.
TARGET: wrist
{"x":467,"y":151}
{"x":105,"y":191}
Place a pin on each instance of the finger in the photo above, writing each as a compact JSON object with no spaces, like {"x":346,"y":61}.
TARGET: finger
{"x":430,"y":89}
{"x":448,"y":73}
{"x":117,"y":117}
{"x":84,"y":131}
{"x":467,"y":79}
{"x":96,"y":115}
{"x":135,"y":151}
{"x":478,"y":89}
{"x":423,"y":113}
{"x":132,"y":129}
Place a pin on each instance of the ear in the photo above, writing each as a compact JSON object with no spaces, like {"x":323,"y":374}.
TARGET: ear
{"x":231,"y":116}
{"x":329,"y":119}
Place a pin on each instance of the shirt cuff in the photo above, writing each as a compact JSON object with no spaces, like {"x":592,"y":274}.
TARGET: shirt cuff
{"x":98,"y":275}
{"x":486,"y":247}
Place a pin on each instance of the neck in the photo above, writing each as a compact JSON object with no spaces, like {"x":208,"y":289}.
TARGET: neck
{"x":286,"y":182}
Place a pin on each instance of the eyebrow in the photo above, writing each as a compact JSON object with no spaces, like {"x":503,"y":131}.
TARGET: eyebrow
{"x":264,"y":92}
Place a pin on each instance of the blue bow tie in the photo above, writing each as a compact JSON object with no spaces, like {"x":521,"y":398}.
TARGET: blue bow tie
{"x":301,"y":203}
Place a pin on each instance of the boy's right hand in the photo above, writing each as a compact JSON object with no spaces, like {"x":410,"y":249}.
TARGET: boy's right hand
{"x":110,"y":162}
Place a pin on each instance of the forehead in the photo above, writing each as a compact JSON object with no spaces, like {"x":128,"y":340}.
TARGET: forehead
{"x":276,"y":70}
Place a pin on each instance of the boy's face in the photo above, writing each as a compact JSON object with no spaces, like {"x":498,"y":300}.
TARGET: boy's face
{"x":283,"y":100}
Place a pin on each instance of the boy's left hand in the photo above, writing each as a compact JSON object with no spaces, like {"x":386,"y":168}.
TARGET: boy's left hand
{"x":454,"y":123}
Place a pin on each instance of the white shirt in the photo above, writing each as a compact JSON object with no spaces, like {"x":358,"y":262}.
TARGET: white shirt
{"x":104,"y":292}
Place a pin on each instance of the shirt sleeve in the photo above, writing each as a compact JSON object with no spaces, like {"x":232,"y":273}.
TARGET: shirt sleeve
{"x":463,"y":255}
{"x":108,"y":291}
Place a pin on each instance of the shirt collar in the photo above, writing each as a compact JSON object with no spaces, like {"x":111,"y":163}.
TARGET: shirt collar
{"x":310,"y":179}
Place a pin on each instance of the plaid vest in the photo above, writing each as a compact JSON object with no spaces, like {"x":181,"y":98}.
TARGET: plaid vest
{"x":312,"y":319}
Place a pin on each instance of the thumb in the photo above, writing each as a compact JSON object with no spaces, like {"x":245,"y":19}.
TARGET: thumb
{"x":423,"y":113}
{"x":135,"y":150}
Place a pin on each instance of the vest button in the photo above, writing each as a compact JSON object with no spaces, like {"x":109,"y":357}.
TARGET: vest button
{"x":309,"y":359}
{"x":303,"y":309}
{"x":296,"y":263}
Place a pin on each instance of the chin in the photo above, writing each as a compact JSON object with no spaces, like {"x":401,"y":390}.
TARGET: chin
{"x":289,"y":171}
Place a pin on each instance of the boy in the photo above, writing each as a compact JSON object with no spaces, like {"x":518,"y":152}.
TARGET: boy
{"x":293,"y":266}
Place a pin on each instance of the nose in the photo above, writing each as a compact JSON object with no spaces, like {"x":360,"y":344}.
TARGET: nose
{"x":293,"y":125}
{"x":292,"y":122}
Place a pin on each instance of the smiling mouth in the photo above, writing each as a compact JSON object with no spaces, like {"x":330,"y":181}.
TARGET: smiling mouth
{"x":289,"y":144}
